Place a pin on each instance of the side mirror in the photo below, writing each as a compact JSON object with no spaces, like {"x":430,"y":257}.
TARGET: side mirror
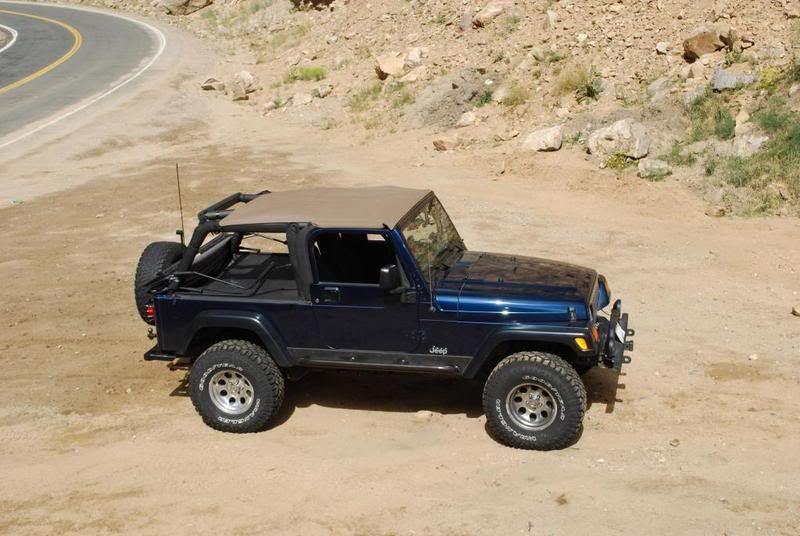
{"x":390,"y":277}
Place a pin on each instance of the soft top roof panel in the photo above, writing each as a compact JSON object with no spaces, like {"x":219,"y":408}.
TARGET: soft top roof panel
{"x":358,"y":208}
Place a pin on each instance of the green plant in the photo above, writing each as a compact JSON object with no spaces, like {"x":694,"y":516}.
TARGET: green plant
{"x":485,"y":97}
{"x":773,"y":117}
{"x":732,"y":56}
{"x":441,"y":18}
{"x":580,"y":80}
{"x":328,"y":123}
{"x":360,"y":100}
{"x":590,"y":90}
{"x":710,"y":116}
{"x":553,"y":56}
{"x":678,"y":157}
{"x":770,"y":79}
{"x":310,"y":72}
{"x":618,"y":162}
{"x":710,"y":165}
{"x":793,"y":72}
{"x":401,"y":94}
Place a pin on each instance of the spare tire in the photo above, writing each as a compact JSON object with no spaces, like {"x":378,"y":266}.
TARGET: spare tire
{"x":156,"y":259}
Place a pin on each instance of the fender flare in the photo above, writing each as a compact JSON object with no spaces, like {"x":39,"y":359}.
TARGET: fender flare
{"x":557,"y":335}
{"x":256,"y":323}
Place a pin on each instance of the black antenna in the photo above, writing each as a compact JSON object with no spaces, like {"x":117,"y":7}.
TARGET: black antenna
{"x":181,"y":232}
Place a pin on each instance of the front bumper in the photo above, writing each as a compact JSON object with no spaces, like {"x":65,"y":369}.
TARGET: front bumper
{"x":618,"y":338}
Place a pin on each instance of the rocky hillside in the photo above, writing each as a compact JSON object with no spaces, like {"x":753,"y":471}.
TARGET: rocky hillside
{"x":703,"y":91}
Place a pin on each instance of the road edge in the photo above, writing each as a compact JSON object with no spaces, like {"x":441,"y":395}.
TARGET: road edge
{"x":10,"y":31}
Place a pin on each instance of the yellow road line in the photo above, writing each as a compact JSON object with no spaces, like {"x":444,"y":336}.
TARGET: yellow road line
{"x":47,"y":68}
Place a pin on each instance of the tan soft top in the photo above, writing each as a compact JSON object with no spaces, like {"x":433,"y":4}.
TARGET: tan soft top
{"x":359,"y":208}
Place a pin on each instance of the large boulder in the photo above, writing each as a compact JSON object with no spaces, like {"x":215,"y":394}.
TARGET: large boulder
{"x":731,"y":79}
{"x":749,"y":144}
{"x":490,"y":12}
{"x":184,"y":7}
{"x":391,"y":64}
{"x":545,"y":139}
{"x":701,"y":44}
{"x":625,"y":137}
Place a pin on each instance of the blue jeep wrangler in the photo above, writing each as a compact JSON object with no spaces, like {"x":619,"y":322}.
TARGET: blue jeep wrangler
{"x":373,"y":279}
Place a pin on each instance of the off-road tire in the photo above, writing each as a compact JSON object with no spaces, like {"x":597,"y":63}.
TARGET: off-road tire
{"x":155,"y":259}
{"x":257,"y":366}
{"x":550,"y":372}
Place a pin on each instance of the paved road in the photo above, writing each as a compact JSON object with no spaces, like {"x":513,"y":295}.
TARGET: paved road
{"x":62,"y":58}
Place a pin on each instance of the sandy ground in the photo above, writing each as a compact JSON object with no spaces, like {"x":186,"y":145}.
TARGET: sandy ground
{"x":697,"y":439}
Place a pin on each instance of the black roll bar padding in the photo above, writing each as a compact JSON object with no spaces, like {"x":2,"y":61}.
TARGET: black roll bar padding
{"x":198,"y":236}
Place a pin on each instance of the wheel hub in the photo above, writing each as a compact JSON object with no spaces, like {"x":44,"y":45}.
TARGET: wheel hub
{"x":231,"y":392}
{"x":531,"y":406}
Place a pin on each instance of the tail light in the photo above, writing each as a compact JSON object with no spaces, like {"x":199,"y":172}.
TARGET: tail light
{"x":150,"y":312}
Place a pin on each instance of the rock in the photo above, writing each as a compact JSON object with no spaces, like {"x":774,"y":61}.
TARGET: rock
{"x":658,"y":89}
{"x":550,"y":20}
{"x":701,"y":44}
{"x":794,"y":89}
{"x":423,"y":415}
{"x":414,"y":74}
{"x":212,"y":84}
{"x":467,"y":119}
{"x":581,"y":39}
{"x":466,"y":22}
{"x":545,"y":139}
{"x":625,"y":137}
{"x":749,"y":144}
{"x":753,"y":357}
{"x":743,"y":124}
{"x":490,"y":12}
{"x":796,"y":310}
{"x":662,"y":48}
{"x":413,"y":57}
{"x":675,"y":443}
{"x":246,"y":80}
{"x":652,"y":168}
{"x":715,"y":212}
{"x":730,"y":79}
{"x":322,"y":91}
{"x":238,"y":93}
{"x":184,"y":7}
{"x":391,"y":64}
{"x":445,"y":144}
{"x":301,"y":99}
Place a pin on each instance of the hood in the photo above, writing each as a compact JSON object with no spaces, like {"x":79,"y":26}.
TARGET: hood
{"x":484,"y":286}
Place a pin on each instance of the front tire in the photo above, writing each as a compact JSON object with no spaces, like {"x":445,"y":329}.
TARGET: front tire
{"x":235,"y":386}
{"x":534,"y":400}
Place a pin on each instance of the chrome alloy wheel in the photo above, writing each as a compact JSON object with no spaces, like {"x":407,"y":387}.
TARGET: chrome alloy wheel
{"x":531,"y":406}
{"x":231,"y":391}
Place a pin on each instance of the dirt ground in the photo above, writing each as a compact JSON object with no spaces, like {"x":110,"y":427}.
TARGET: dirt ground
{"x":700,"y":437}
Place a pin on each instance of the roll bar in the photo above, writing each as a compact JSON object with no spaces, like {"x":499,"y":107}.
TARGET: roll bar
{"x":220,"y":209}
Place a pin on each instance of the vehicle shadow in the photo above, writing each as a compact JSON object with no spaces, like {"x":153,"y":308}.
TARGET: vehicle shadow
{"x":602,"y":387}
{"x":409,"y":393}
{"x":385,"y":391}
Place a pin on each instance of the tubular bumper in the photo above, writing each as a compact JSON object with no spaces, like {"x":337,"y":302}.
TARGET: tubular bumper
{"x":618,"y":338}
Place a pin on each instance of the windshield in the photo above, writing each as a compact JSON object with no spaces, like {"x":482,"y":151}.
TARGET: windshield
{"x":432,"y":237}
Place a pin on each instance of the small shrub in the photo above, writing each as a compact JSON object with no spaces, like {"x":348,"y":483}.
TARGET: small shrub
{"x":725,"y":124}
{"x":516,"y":95}
{"x":618,"y":162}
{"x":710,"y":165}
{"x":793,"y":72}
{"x":553,"y":56}
{"x":310,"y":72}
{"x":328,"y":123}
{"x":360,"y":100}
{"x":401,"y":94}
{"x":772,"y":118}
{"x":590,"y":91}
{"x":711,"y":117}
{"x":732,"y":56}
{"x":770,"y":79}
{"x":485,"y":97}
{"x":678,"y":157}
{"x":440,"y":19}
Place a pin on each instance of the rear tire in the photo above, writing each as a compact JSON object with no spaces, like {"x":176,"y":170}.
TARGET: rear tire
{"x":534,"y":400}
{"x":235,"y":386}
{"x":155,"y":260}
